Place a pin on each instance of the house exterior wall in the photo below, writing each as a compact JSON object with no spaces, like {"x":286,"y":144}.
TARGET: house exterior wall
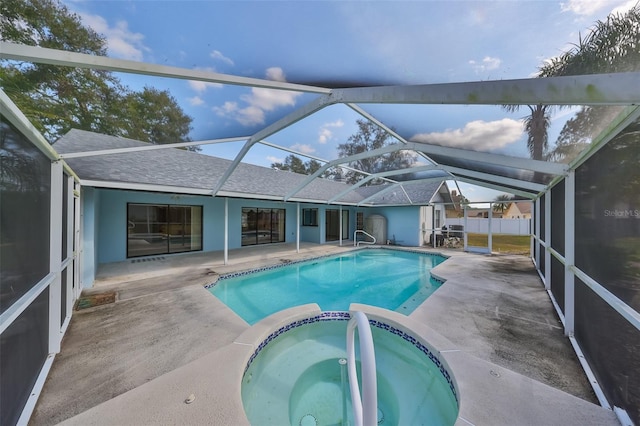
{"x":403,"y":224}
{"x":104,"y":222}
{"x":311,"y":233}
{"x":513,"y":212}
{"x":111,"y":225}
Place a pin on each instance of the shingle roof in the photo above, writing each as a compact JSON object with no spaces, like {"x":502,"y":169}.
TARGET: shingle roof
{"x":191,"y":170}
{"x":524,"y":206}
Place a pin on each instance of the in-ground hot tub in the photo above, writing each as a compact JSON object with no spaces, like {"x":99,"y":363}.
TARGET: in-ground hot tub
{"x":297,"y":375}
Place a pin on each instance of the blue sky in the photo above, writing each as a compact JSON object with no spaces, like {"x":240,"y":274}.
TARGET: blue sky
{"x":343,"y":43}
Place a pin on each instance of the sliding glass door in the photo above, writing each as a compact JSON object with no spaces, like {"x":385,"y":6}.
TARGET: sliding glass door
{"x":262,"y":226}
{"x":332,"y":225}
{"x":162,"y":229}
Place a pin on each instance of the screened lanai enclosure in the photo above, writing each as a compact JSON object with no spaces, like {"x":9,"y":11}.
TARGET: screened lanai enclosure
{"x":469,"y":135}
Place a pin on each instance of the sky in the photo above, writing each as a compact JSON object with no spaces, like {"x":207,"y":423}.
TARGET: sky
{"x":338,"y":44}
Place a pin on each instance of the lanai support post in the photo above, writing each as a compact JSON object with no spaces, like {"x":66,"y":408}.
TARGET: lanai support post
{"x":55,"y":254}
{"x":226,"y":231}
{"x":466,"y":228}
{"x":340,"y":225}
{"x":537,"y":238}
{"x":547,"y":240}
{"x":490,"y":230}
{"x":297,"y":227}
{"x":569,"y":253}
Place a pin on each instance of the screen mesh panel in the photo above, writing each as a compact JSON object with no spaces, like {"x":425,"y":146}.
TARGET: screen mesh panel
{"x":24,"y":347}
{"x":25,"y":183}
{"x":557,"y":281}
{"x":611,"y":346}
{"x":607,"y":231}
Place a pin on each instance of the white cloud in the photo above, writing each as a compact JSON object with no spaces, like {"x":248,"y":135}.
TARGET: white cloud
{"x":591,"y":7}
{"x":275,"y":74}
{"x":195,"y":101}
{"x":259,"y":101}
{"x":226,"y":109}
{"x":202,"y":86}
{"x":325,"y":134}
{"x":476,"y":135}
{"x":487,"y":64}
{"x":584,"y":7}
{"x":303,"y":148}
{"x":625,"y":7}
{"x":217,"y":55}
{"x":271,"y":159}
{"x":121,"y":42}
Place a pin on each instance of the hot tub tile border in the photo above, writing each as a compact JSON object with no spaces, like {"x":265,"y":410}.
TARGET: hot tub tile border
{"x":345,"y":316}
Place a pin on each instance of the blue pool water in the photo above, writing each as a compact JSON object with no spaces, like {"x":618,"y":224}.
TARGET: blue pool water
{"x":391,"y":279}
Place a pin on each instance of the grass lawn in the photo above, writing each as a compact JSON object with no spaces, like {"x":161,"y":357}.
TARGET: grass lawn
{"x":511,"y":244}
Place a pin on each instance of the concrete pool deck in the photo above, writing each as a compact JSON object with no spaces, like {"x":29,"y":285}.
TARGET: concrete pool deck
{"x":165,"y":338}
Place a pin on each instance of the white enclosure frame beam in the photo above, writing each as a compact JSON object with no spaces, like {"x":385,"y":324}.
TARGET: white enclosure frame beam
{"x":547,"y":240}
{"x":537,"y":233}
{"x":593,"y":89}
{"x":55,"y":256}
{"x":490,"y":229}
{"x":513,"y":191}
{"x":521,"y":184}
{"x":41,"y":55}
{"x":624,"y":119}
{"x":515,"y":163}
{"x":302,"y":154}
{"x":385,"y":174}
{"x":386,"y":128}
{"x":340,"y":225}
{"x":569,"y":253}
{"x":395,"y":186}
{"x":226,"y":231}
{"x":297,"y":227}
{"x":150,"y":147}
{"x":24,"y":126}
{"x":465,"y":239}
{"x":295,"y":116}
{"x":337,"y":162}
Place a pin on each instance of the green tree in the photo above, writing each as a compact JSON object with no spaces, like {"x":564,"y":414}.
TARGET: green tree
{"x":57,"y":99}
{"x":164,"y":121}
{"x":294,"y":164}
{"x":369,"y":137}
{"x":536,"y":125}
{"x":501,"y":203}
{"x":611,"y":46}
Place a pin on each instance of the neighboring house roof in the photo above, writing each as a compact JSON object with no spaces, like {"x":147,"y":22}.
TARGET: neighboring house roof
{"x":519,"y":208}
{"x":524,"y":206}
{"x":186,"y":171}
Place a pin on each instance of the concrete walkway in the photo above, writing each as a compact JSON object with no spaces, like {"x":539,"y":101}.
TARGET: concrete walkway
{"x":136,"y":360}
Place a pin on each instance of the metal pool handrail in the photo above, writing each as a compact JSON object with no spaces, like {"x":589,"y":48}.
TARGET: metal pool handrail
{"x":357,"y":243}
{"x":365,"y":410}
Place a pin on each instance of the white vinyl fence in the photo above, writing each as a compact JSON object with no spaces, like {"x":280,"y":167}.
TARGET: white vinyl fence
{"x":498,"y":226}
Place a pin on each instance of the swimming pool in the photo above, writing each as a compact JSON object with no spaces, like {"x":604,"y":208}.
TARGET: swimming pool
{"x":397,"y":280}
{"x":295,"y":376}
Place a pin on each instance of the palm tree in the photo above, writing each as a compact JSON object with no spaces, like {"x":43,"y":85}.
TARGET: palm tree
{"x":502,"y":203}
{"x":612,"y":45}
{"x":536,"y":126}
